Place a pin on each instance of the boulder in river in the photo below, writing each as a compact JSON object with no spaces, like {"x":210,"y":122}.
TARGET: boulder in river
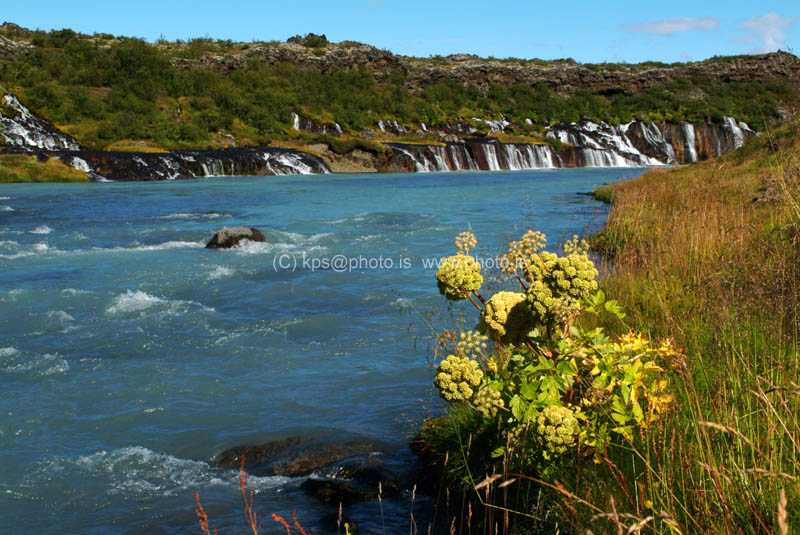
{"x":228,"y":238}
{"x":294,"y":456}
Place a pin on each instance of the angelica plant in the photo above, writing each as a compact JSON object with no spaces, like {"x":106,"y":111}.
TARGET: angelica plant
{"x":549,"y":385}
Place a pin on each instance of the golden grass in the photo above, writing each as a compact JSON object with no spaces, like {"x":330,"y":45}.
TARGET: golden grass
{"x":710,"y":254}
{"x":129,"y":145}
{"x":26,"y":168}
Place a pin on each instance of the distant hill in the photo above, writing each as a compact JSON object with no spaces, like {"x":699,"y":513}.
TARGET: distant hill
{"x":117,"y":92}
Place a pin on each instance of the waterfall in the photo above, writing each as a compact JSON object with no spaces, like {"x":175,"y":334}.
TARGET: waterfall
{"x":295,"y":121}
{"x":216,"y":168}
{"x":655,"y":138}
{"x":461,"y":158}
{"x":735,"y":130}
{"x":691,"y":141}
{"x":603,"y":158}
{"x":490,"y":150}
{"x":80,"y":164}
{"x":513,"y":157}
{"x":28,"y":132}
{"x":441,"y":158}
{"x":173,"y":168}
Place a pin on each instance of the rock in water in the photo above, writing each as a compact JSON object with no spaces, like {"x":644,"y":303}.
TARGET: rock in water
{"x":230,"y":237}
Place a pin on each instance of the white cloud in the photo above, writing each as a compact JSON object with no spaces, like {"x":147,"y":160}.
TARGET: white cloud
{"x":766,"y":31}
{"x":670,"y":26}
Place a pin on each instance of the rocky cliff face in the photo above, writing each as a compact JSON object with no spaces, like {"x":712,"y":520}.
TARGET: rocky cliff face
{"x":563,"y":77}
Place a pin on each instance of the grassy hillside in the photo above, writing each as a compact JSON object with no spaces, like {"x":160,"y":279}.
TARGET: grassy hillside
{"x":25,"y":168}
{"x":104,"y":89}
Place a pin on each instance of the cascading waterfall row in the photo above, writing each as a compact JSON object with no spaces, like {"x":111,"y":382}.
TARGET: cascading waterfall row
{"x":585,"y":144}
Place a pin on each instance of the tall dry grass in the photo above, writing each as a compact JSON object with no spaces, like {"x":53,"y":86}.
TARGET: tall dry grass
{"x":709,"y":254}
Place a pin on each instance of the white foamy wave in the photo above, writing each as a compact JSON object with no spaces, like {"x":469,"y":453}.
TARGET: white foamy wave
{"x":5,"y":208}
{"x":43,"y":229}
{"x":133,"y":302}
{"x":14,"y":361}
{"x":5,"y":198}
{"x":302,"y":238}
{"x":253,"y":247}
{"x":191,"y":215}
{"x":220,"y":272}
{"x":158,"y":247}
{"x":74,"y":291}
{"x":136,"y":472}
{"x":8,"y":244}
{"x":140,"y":301}
{"x":60,"y":315}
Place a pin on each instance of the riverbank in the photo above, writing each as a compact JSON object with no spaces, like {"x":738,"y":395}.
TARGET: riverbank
{"x":709,"y":255}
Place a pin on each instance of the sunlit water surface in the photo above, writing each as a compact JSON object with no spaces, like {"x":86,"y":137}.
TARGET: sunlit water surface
{"x":130,"y":355}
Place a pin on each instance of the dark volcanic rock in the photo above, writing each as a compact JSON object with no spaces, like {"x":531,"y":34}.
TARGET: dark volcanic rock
{"x":228,"y":238}
{"x":332,"y":492}
{"x":294,"y":456}
{"x":258,"y":453}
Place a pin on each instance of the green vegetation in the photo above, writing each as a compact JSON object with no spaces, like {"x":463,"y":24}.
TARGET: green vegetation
{"x":104,"y":89}
{"x":707,"y":256}
{"x":26,"y":168}
{"x":554,"y":393}
{"x":603,"y":194}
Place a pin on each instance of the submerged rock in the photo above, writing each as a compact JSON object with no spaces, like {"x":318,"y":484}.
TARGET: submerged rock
{"x":332,"y":492}
{"x":294,"y":456}
{"x":228,"y":238}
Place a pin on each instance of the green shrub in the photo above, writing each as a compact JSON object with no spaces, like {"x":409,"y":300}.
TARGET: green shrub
{"x":552,"y":391}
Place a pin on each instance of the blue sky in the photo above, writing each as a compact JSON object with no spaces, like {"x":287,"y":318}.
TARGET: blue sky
{"x":585,"y":31}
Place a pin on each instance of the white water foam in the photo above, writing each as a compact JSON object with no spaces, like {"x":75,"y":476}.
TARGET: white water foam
{"x":157,"y":247}
{"x":191,"y":215}
{"x":42,"y":229}
{"x":220,"y":272}
{"x":5,"y":198}
{"x":247,"y":247}
{"x":139,"y":301}
{"x":133,"y":302}
{"x":14,"y":361}
{"x":74,"y":291}
{"x":138,"y":473}
{"x":5,"y":208}
{"x":60,"y":315}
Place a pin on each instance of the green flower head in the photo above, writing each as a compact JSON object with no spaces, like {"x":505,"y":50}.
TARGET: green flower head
{"x":506,"y":318}
{"x":557,"y":429}
{"x":557,"y":283}
{"x":488,"y":402}
{"x":459,"y":275}
{"x":457,"y":377}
